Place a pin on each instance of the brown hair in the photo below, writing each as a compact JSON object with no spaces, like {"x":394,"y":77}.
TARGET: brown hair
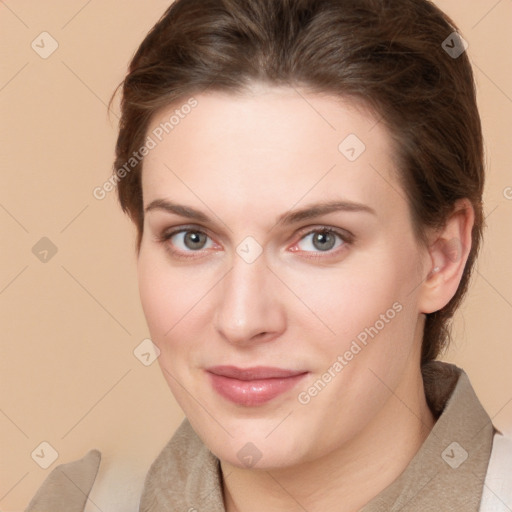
{"x":393,"y":55}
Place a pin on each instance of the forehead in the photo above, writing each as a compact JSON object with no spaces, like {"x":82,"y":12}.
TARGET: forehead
{"x":270,"y":146}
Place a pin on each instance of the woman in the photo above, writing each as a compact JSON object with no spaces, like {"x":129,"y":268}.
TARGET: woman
{"x":306,"y":180}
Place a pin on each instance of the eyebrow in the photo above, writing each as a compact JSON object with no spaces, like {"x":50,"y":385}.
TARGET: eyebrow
{"x":290,"y":217}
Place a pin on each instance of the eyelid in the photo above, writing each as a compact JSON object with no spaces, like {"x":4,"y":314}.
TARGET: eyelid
{"x":169,"y":233}
{"x":345,"y":235}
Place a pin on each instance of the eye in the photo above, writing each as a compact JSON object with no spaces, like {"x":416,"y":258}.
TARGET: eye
{"x":322,"y":240}
{"x":186,"y":240}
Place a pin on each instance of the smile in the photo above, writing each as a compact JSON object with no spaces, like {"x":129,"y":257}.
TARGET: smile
{"x":252,"y":386}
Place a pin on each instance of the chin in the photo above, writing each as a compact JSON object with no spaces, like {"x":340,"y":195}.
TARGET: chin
{"x":250,"y":456}
{"x":253,"y":447}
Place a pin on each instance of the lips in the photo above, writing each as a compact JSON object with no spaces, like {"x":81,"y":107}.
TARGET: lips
{"x":252,"y":386}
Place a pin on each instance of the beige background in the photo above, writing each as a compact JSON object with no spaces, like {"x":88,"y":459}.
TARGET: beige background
{"x":69,"y":325}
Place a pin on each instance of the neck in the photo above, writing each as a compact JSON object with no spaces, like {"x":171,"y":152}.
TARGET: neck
{"x":347,"y":478}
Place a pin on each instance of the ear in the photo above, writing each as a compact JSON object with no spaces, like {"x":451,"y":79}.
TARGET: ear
{"x":448,"y":249}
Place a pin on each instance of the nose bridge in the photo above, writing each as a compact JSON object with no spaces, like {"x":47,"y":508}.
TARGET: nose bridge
{"x":247,"y":305}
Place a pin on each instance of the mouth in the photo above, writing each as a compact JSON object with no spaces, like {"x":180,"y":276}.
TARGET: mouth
{"x":253,"y":386}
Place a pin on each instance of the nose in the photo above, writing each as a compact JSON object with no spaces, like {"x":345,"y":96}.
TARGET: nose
{"x":249,"y":309}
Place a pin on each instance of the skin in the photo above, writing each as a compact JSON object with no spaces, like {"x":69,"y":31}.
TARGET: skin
{"x":244,"y":160}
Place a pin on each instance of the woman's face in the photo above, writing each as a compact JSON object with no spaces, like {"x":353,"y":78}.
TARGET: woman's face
{"x":280,"y":340}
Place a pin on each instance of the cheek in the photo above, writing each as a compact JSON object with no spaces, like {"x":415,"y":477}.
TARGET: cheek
{"x":364,"y":308}
{"x":155,"y":299}
{"x":161,"y":290}
{"x":343,"y":302}
{"x":163,"y":306}
{"x":173,"y":301}
{"x":164,"y":296}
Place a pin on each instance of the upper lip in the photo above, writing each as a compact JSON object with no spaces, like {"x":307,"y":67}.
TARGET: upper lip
{"x":253,"y":373}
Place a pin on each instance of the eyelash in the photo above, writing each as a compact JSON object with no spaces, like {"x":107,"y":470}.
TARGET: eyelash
{"x":346,"y":237}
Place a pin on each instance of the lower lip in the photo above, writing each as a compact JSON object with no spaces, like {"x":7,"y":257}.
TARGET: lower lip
{"x":253,"y":392}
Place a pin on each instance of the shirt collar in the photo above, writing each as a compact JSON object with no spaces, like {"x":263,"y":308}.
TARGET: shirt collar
{"x":448,"y":471}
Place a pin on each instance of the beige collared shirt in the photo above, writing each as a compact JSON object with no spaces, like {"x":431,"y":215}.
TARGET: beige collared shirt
{"x":448,"y":471}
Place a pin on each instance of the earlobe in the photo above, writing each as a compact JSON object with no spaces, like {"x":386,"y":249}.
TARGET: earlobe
{"x":448,"y":252}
